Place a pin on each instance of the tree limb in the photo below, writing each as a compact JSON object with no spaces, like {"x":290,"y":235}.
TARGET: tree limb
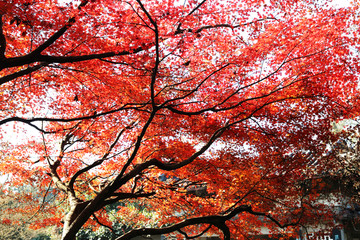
{"x":46,"y":119}
{"x":195,"y":236}
{"x":10,"y":77}
{"x":96,"y":163}
{"x":218,"y":221}
{"x":29,"y":58}
{"x":121,"y":179}
{"x":101,"y":224}
{"x":53,"y":38}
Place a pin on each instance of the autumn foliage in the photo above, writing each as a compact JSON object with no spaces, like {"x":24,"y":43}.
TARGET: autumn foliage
{"x":146,"y":102}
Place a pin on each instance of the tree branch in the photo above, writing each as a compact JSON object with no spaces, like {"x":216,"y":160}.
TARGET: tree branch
{"x":137,"y":145}
{"x":157,"y":57}
{"x":29,"y":58}
{"x":197,"y":87}
{"x":101,"y":224}
{"x":121,"y":196}
{"x":53,"y":38}
{"x":218,"y":221}
{"x":10,"y":77}
{"x":121,"y":179}
{"x":224,"y":25}
{"x":195,"y":236}
{"x":98,"y":162}
{"x":197,"y":7}
{"x":45,"y":119}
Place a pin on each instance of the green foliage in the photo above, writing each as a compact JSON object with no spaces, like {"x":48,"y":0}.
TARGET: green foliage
{"x":41,"y":237}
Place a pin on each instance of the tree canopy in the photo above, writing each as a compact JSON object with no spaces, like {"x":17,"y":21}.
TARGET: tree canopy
{"x":142,"y":103}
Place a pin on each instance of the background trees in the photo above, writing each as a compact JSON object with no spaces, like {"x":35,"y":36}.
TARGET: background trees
{"x":344,"y":155}
{"x":140,"y":102}
{"x":17,"y":215}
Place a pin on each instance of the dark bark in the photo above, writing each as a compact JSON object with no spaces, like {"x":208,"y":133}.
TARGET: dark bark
{"x":218,"y":221}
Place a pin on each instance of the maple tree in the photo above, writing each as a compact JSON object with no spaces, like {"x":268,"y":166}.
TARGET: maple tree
{"x":145,"y":102}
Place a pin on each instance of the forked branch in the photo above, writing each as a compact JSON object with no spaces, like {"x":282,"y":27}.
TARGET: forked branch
{"x":218,"y":221}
